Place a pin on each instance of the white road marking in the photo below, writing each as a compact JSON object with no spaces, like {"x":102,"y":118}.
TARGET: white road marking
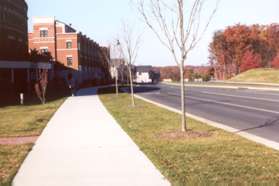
{"x":233,"y":105}
{"x":245,"y":97}
{"x":265,"y":93}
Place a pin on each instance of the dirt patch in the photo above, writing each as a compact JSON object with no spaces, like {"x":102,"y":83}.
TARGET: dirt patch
{"x":18,"y":140}
{"x":178,"y":135}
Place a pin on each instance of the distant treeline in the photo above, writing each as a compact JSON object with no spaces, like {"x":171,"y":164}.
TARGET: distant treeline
{"x":240,"y":48}
{"x":191,"y":72}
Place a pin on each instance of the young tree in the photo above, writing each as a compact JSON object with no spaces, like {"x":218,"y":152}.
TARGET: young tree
{"x":42,"y":81}
{"x":178,"y":31}
{"x":129,"y":45}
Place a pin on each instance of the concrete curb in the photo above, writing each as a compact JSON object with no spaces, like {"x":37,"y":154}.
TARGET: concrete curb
{"x":226,"y":87}
{"x":268,"y":143}
{"x":250,"y":83}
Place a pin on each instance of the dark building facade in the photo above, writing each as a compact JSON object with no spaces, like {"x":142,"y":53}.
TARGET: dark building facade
{"x":13,"y":30}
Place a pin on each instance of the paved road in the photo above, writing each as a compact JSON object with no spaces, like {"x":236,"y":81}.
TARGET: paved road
{"x":255,"y":112}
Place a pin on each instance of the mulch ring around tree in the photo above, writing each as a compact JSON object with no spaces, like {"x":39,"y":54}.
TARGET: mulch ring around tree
{"x":18,"y":140}
{"x":179,"y":135}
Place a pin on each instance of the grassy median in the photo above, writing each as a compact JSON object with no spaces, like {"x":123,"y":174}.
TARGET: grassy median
{"x":215,"y":158}
{"x":21,"y":121}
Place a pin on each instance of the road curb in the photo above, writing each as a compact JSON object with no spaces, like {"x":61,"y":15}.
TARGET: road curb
{"x":260,"y":140}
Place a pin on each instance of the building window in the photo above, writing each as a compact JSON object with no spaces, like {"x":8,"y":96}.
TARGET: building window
{"x":43,"y":33}
{"x":45,"y":50}
{"x":69,"y":61}
{"x":78,"y":45}
{"x":69,"y":44}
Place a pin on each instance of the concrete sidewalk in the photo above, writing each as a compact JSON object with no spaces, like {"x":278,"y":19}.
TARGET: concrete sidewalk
{"x":84,"y":146}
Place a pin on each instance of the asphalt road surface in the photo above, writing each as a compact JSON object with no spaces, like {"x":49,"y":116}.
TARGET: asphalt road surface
{"x":255,"y":112}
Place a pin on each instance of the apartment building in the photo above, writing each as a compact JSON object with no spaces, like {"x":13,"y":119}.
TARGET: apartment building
{"x":15,"y":68}
{"x":80,"y":55}
{"x":13,"y":30}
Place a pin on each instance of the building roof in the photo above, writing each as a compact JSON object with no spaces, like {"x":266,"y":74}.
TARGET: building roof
{"x":143,"y":68}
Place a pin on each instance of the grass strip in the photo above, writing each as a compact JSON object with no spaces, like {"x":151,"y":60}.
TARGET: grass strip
{"x":220,"y":158}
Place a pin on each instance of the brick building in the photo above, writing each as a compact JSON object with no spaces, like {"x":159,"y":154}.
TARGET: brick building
{"x":13,"y":30}
{"x":16,"y":71}
{"x":80,"y":55}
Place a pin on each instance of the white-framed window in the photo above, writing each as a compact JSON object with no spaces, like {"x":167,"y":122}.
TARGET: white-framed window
{"x":44,"y":50}
{"x":69,"y":61}
{"x":43,"y":32}
{"x":80,"y":68}
{"x":69,"y":44}
{"x":78,"y":45}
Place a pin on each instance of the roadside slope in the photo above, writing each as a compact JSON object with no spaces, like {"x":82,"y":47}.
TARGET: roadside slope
{"x":261,"y":75}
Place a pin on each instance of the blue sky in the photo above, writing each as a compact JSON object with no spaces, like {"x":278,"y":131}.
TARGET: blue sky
{"x":101,"y":20}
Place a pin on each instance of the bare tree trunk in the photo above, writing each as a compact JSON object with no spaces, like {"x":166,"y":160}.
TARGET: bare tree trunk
{"x":225,"y":72}
{"x":116,"y":82}
{"x":131,"y":86}
{"x":44,"y":94}
{"x":183,"y":106}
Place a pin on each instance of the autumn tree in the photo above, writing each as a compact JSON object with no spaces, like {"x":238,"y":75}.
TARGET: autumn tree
{"x":171,"y":72}
{"x":220,"y":54}
{"x":275,"y":62}
{"x":231,"y":46}
{"x":177,"y":25}
{"x":272,"y":36}
{"x":250,"y":60}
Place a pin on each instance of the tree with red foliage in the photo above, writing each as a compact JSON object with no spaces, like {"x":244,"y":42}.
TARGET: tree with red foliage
{"x":229,"y":46}
{"x":250,"y":60}
{"x":275,"y":62}
{"x":272,"y":36}
{"x":237,"y":38}
{"x":171,"y":72}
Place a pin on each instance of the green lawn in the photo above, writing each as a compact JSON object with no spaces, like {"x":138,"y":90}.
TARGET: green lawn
{"x":260,"y":75}
{"x":19,"y":121}
{"x":26,"y":120}
{"x":220,"y":158}
{"x":11,"y":158}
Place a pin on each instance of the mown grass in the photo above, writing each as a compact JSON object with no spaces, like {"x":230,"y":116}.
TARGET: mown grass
{"x":11,"y":158}
{"x":26,"y":120}
{"x":221,"y":159}
{"x":261,"y":75}
{"x":20,"y":121}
